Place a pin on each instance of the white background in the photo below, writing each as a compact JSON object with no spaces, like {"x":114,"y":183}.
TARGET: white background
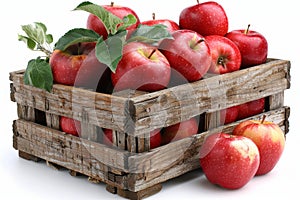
{"x":21,"y":179}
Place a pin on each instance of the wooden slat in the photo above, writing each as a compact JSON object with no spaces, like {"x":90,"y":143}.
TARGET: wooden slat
{"x":140,"y":114}
{"x":167,"y":107}
{"x":74,"y":153}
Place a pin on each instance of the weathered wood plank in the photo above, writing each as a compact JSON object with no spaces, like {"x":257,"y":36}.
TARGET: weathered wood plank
{"x":167,"y":107}
{"x":64,"y":149}
{"x":132,"y":171}
{"x":141,"y":113}
{"x":100,"y":110}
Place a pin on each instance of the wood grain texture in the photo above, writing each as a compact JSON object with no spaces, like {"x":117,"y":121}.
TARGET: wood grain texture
{"x":138,"y":113}
{"x":117,"y":167}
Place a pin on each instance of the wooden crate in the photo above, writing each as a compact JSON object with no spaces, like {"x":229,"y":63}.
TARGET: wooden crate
{"x":130,"y":168}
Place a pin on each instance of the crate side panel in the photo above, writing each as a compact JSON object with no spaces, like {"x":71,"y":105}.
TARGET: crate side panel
{"x":102,"y":109}
{"x":170,"y":106}
{"x":74,"y":153}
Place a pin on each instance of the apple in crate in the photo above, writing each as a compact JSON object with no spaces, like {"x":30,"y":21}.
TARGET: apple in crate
{"x":226,"y":56}
{"x":229,"y":161}
{"x":66,"y":64}
{"x":207,"y":18}
{"x":268,"y":137}
{"x":252,"y":45}
{"x":251,"y":108}
{"x":179,"y":131}
{"x":70,"y":126}
{"x":95,"y":24}
{"x":229,"y":115}
{"x":94,"y":75}
{"x":142,"y":67}
{"x":170,"y":24}
{"x":188,"y":54}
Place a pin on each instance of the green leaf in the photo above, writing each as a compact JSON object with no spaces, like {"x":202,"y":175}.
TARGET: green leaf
{"x":75,"y":36}
{"x":110,"y":21}
{"x":127,"y":21}
{"x":150,"y":34}
{"x":38,"y":74}
{"x":41,"y":26}
{"x":29,"y":42}
{"x":36,"y":37}
{"x":49,"y":38}
{"x":36,"y":31}
{"x":110,"y":51}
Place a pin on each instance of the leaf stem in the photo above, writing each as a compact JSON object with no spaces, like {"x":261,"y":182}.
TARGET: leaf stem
{"x":44,"y":50}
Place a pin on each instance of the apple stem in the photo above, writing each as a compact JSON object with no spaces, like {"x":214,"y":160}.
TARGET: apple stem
{"x":112,"y":4}
{"x":152,"y":52}
{"x":198,"y":42}
{"x":263,"y":119}
{"x":153,"y":16}
{"x":198,"y":1}
{"x":247,"y":30}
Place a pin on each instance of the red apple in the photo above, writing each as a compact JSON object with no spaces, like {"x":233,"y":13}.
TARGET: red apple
{"x":251,"y":108}
{"x":142,"y":67}
{"x":208,"y":18}
{"x":179,"y":131}
{"x":188,"y":53}
{"x":155,"y":138}
{"x":252,"y":45}
{"x":94,"y":75}
{"x":70,"y":126}
{"x":229,"y":161}
{"x":95,"y":24}
{"x":107,"y":137}
{"x":170,"y":24}
{"x":66,"y":64}
{"x":269,"y":139}
{"x":226,"y":56}
{"x":229,"y":115}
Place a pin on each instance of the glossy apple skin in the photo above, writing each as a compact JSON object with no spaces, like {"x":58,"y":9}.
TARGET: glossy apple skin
{"x":226,"y":56}
{"x":66,"y":64}
{"x":155,"y":138}
{"x":95,"y":24}
{"x":208,"y":18}
{"x":229,"y":161}
{"x":251,"y":108}
{"x":189,"y":58}
{"x":170,"y":24}
{"x":107,"y":137}
{"x":252,"y":45}
{"x":179,"y":131}
{"x":229,"y":115}
{"x":70,"y":126}
{"x":93,"y":75}
{"x":269,"y":139}
{"x":138,"y":72}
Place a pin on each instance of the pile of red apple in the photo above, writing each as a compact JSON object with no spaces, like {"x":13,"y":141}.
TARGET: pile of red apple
{"x":198,"y":44}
